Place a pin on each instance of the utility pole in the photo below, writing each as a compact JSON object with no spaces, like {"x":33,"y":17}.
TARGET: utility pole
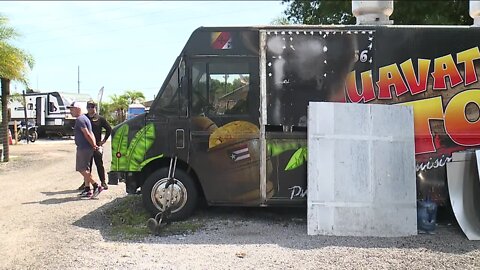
{"x":78,"y":76}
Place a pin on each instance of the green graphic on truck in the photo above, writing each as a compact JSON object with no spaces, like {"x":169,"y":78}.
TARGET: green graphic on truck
{"x":130,"y":156}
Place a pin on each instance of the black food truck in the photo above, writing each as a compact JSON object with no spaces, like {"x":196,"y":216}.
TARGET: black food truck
{"x":229,"y":123}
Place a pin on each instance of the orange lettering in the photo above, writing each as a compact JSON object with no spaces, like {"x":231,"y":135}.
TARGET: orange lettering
{"x":458,"y":127}
{"x":445,"y":67}
{"x":416,"y":84}
{"x":390,"y":76}
{"x":368,"y":93}
{"x":423,"y":111}
{"x":467,"y":58}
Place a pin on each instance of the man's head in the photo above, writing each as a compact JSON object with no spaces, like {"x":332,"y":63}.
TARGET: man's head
{"x":75,"y":109}
{"x":91,"y":107}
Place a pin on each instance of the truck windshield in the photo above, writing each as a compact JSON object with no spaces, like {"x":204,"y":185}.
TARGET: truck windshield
{"x":168,"y":99}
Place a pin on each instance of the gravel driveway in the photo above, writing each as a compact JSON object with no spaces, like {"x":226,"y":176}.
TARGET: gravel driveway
{"x":45,"y":226}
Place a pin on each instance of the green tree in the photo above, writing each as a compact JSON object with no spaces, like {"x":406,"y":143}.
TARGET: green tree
{"x":134,"y":96}
{"x":109,"y":113}
{"x":116,"y":111}
{"x":452,"y":12}
{"x":14,"y":65}
{"x":119,"y":107}
{"x":280,"y":20}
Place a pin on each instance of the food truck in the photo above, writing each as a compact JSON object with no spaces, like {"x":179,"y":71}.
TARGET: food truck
{"x":229,"y":124}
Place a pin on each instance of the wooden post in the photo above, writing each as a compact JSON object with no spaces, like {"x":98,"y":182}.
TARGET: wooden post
{"x":25,"y":131}
{"x":15,"y":131}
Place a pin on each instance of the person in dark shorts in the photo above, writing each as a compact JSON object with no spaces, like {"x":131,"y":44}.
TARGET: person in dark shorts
{"x":86,"y":145}
{"x":98,"y":123}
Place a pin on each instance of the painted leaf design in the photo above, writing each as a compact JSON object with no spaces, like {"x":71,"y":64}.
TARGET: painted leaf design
{"x":298,"y":159}
{"x":276,"y":148}
{"x":139,"y":146}
{"x":146,"y":161}
{"x":120,"y":145}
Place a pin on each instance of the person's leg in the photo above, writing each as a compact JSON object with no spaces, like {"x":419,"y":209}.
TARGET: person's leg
{"x":89,"y":183}
{"x":98,"y":157}
{"x":88,"y":178}
{"x":84,"y":158}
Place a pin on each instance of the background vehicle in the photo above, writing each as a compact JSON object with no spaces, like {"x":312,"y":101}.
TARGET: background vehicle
{"x":24,"y":132}
{"x":134,"y":110}
{"x":48,"y":111}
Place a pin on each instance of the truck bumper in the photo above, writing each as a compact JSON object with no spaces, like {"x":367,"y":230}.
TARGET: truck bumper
{"x":128,"y":178}
{"x":115,"y":177}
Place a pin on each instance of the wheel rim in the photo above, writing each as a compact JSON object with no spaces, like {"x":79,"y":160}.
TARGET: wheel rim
{"x":33,"y":136}
{"x":175,"y":195}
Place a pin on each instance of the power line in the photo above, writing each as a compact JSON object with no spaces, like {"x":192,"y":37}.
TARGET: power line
{"x":143,"y":26}
{"x":93,"y":23}
{"x":49,"y":18}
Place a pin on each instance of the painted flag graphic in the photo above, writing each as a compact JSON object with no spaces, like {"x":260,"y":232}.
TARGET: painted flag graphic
{"x":240,"y":153}
{"x":221,"y":40}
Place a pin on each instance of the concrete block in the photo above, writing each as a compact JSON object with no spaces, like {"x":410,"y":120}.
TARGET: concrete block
{"x":361,"y":170}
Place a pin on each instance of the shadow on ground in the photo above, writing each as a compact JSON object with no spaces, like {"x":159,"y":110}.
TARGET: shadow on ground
{"x":57,"y":200}
{"x":286,"y":227}
{"x":60,"y":192}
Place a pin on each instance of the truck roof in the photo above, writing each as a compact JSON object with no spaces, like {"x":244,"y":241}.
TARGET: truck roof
{"x":316,"y":27}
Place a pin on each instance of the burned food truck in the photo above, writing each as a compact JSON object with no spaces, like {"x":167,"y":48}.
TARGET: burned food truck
{"x":229,"y":124}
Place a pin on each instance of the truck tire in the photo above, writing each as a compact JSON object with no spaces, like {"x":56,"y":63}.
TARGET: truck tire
{"x":155,"y":196}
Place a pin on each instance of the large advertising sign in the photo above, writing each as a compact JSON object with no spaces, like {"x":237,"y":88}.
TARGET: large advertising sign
{"x":432,"y":69}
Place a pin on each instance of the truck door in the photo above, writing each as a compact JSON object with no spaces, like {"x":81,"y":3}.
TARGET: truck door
{"x":224,"y":133}
{"x":168,"y":114}
{"x":302,"y":67}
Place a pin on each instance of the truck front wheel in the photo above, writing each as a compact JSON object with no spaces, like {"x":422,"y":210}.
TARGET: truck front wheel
{"x":181,"y":197}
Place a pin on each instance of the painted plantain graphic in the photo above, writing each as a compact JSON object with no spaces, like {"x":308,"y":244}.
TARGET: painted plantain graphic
{"x":298,"y":158}
{"x":119,"y":149}
{"x":130,"y":157}
{"x":139,"y":146}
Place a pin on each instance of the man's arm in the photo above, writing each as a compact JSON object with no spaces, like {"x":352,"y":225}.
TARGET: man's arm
{"x":107,"y":127}
{"x":89,"y":136}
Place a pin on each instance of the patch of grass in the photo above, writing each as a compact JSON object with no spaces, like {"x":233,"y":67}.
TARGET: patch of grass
{"x":128,"y":219}
{"x":181,"y":227}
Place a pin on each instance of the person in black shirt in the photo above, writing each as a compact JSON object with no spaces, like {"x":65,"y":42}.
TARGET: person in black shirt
{"x":98,"y":123}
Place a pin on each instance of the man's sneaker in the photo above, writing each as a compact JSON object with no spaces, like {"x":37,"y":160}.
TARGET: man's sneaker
{"x":104,"y":186}
{"x":87,"y":195}
{"x":97,"y":191}
{"x":82,"y":186}
{"x":83,"y":193}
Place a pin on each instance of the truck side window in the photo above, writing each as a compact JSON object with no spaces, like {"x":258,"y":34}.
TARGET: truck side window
{"x":228,"y":88}
{"x":171,"y":99}
{"x":199,"y":89}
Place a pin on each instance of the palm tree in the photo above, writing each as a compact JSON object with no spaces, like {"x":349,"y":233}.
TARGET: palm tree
{"x":120,"y":106}
{"x":14,"y":65}
{"x":134,"y":96}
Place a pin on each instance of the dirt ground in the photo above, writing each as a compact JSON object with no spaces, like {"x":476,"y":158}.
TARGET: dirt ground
{"x":45,"y":226}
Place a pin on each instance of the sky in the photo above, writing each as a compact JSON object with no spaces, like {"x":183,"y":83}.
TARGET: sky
{"x":124,"y":45}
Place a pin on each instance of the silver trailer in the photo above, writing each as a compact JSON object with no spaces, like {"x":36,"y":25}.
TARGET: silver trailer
{"x":47,"y":110}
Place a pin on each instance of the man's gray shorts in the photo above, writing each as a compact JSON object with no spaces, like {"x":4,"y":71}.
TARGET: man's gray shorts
{"x":84,"y":155}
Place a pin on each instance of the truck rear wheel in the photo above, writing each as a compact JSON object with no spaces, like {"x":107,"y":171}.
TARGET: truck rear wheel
{"x":182,"y":197}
